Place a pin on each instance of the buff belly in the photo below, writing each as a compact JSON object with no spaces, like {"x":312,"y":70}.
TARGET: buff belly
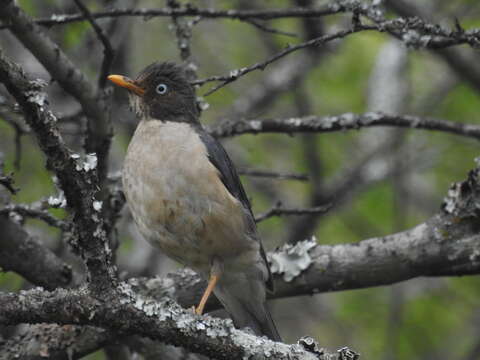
{"x":179,"y":202}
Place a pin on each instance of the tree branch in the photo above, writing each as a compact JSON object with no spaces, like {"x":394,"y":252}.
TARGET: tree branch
{"x":464,"y":64}
{"x":36,"y":211}
{"x":272,"y":174}
{"x":77,"y":179}
{"x":348,"y":121}
{"x":54,"y":342}
{"x":238,"y":73}
{"x":128,"y":313}
{"x":108,"y":52}
{"x":334,"y":7}
{"x":43,"y":267}
{"x":279,"y":210}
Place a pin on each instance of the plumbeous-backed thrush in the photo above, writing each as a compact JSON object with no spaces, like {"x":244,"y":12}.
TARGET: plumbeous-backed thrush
{"x":187,"y":199}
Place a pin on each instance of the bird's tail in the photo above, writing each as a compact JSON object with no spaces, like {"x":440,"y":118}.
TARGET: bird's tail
{"x":245,"y":303}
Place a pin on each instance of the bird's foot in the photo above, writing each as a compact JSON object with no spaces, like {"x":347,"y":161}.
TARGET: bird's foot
{"x":198,"y":310}
{"x":193,"y":310}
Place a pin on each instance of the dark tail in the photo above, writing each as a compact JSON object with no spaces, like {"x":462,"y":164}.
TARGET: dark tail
{"x":245,"y":303}
{"x":268,"y":328}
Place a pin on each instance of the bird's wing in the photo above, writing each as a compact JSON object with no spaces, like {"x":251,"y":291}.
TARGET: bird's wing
{"x":229,"y":177}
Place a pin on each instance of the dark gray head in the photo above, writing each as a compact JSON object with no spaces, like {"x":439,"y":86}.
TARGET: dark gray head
{"x":161,"y":91}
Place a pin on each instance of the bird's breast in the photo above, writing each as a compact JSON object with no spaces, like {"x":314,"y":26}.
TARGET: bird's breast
{"x":176,"y":196}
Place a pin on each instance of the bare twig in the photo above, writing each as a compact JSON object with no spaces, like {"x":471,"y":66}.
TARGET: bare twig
{"x":273,"y":174}
{"x":279,"y":210}
{"x":263,"y":27}
{"x":36,"y":211}
{"x":414,"y":32}
{"x":348,"y":121}
{"x":237,"y":73}
{"x":355,"y":176}
{"x":108,"y":51}
{"x":183,"y":34}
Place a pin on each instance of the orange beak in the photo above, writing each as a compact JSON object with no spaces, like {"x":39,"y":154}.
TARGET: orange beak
{"x":127,"y":83}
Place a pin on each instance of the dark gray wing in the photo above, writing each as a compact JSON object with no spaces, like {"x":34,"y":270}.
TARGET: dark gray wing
{"x":228,"y":174}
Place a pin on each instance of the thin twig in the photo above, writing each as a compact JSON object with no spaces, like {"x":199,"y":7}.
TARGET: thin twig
{"x":265,"y":28}
{"x":108,"y":51}
{"x":235,"y":74}
{"x":183,"y":34}
{"x":278,"y":210}
{"x":273,"y":175}
{"x":36,"y":211}
{"x":414,"y":32}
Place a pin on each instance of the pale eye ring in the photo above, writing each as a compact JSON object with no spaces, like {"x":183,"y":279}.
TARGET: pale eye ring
{"x":161,"y":89}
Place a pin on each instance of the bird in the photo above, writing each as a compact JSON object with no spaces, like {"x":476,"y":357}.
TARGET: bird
{"x":187,"y":199}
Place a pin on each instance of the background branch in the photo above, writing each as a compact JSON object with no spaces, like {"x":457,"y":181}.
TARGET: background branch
{"x":347,"y":121}
{"x":108,"y":52}
{"x":43,"y":267}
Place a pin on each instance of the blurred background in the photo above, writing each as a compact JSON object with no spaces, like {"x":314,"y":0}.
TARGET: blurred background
{"x":379,"y":180}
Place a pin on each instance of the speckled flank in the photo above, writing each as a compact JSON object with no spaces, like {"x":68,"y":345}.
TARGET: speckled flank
{"x":178,"y":200}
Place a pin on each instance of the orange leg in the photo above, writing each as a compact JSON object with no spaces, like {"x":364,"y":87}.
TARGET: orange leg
{"x":211,"y":284}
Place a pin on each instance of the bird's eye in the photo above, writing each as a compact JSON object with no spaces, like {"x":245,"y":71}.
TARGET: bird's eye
{"x":161,"y":89}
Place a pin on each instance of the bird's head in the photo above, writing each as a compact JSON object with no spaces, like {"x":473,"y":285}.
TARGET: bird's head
{"x":161,"y":91}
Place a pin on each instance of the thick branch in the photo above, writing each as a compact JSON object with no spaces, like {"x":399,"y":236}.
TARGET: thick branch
{"x":128,"y":313}
{"x":77,"y":178}
{"x":43,"y":267}
{"x":445,"y":245}
{"x":348,"y":121}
